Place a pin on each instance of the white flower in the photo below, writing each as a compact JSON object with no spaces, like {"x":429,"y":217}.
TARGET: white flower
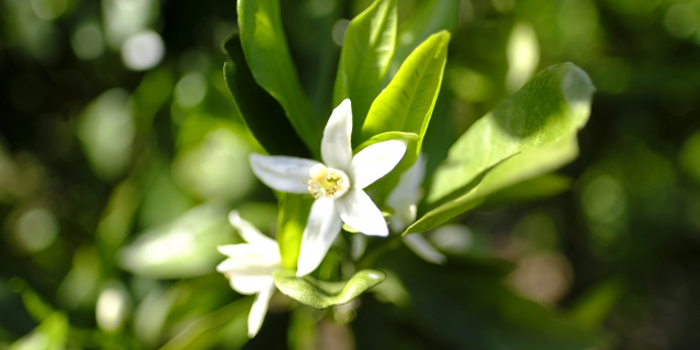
{"x":404,"y":199}
{"x":337,"y":185}
{"x":249,"y":268}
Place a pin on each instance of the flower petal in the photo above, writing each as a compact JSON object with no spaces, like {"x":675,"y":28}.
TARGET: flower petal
{"x":359,"y":212}
{"x":336,"y":150}
{"x":282,"y":173}
{"x":250,"y":284}
{"x":249,"y":255}
{"x":405,"y":196}
{"x":248,"y":231}
{"x":259,"y":309}
{"x":375,"y":161}
{"x":419,"y":245}
{"x":321,"y":229}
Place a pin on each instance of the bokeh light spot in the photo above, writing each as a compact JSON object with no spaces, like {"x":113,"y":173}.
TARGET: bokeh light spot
{"x":36,"y":229}
{"x":143,"y":51}
{"x":338,"y":31}
{"x":87,"y":41}
{"x":452,"y":238}
{"x":111,"y":308}
{"x":217,"y":168}
{"x":603,"y":199}
{"x":49,"y":9}
{"x":680,"y":20}
{"x":106,"y":129}
{"x":523,"y":55}
{"x":190,"y":90}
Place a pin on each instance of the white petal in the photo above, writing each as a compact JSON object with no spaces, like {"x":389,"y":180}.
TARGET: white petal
{"x":321,"y":229}
{"x":406,"y":195}
{"x":282,"y":173}
{"x":336,"y":150}
{"x":359,"y":212}
{"x":248,"y":231}
{"x":259,"y":309}
{"x":405,"y":214}
{"x":422,"y":248}
{"x":407,"y":191}
{"x":250,"y":284}
{"x":375,"y":161}
{"x":248,"y":254}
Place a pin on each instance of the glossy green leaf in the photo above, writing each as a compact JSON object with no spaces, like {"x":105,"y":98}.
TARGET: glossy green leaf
{"x":262,"y":113}
{"x":265,"y":46}
{"x":293,"y":213}
{"x":547,"y":185}
{"x":320,"y":294}
{"x":531,"y":133}
{"x":407,"y":103}
{"x":369,"y":44}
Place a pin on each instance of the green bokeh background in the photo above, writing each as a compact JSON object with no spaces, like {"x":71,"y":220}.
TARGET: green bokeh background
{"x":115,"y":182}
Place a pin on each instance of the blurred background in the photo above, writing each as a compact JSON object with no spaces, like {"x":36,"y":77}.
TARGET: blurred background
{"x":121,"y":153}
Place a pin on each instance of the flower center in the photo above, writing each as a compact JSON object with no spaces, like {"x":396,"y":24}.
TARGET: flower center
{"x":327,"y":182}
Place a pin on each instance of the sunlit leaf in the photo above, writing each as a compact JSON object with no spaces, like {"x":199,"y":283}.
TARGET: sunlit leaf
{"x":531,"y":133}
{"x":368,"y":46}
{"x":407,"y":103}
{"x":293,"y":212}
{"x":547,"y":185}
{"x":106,"y":129}
{"x":324,"y":294}
{"x":265,"y":46}
{"x":262,"y":113}
{"x":52,"y":333}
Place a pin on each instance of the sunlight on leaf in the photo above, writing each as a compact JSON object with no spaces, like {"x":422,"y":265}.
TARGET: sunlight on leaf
{"x":369,"y":44}
{"x":531,"y":133}
{"x":320,"y":294}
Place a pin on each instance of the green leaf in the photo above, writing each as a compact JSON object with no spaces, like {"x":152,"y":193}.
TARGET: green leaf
{"x":262,"y":113}
{"x":320,"y":294}
{"x":266,"y":51}
{"x":52,"y":333}
{"x":369,"y":44}
{"x":547,"y":185}
{"x":531,"y":133}
{"x":293,"y":213}
{"x":593,"y":308}
{"x":407,"y":103}
{"x":408,"y":137}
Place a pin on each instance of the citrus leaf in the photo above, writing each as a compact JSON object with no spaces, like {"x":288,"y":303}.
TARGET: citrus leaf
{"x":368,"y":46}
{"x":320,"y":294}
{"x":262,"y":114}
{"x":265,"y":46}
{"x":531,"y":133}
